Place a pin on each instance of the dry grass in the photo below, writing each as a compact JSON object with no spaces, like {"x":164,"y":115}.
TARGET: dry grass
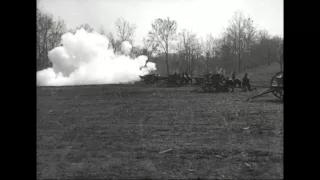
{"x":117,"y":131}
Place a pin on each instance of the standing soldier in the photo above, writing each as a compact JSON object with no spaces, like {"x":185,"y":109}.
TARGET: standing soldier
{"x":184,"y":77}
{"x":233,"y":75}
{"x":246,"y":83}
{"x":188,"y":78}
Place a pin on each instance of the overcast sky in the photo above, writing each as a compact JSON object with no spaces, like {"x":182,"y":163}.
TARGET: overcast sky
{"x":201,"y":16}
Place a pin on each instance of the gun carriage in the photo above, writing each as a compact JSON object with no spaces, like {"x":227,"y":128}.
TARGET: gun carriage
{"x":276,"y":87}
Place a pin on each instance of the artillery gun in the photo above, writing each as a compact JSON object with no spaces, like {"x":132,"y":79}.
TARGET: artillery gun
{"x":276,"y":83}
{"x":214,"y":83}
{"x":276,"y":87}
{"x":149,"y":79}
{"x":171,"y":80}
{"x":198,"y":80}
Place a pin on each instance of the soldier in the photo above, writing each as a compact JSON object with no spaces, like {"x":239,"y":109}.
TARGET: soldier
{"x":246,"y":83}
{"x":230,"y":83}
{"x":187,"y":77}
{"x":235,"y":80}
{"x":182,"y":78}
{"x":176,"y":77}
{"x":233,"y":75}
{"x":179,"y":78}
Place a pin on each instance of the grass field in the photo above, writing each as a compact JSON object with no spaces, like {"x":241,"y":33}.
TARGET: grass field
{"x":262,"y":75}
{"x":120,"y":132}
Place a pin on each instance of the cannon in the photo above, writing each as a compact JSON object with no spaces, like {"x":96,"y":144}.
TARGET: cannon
{"x":149,"y":79}
{"x":176,"y":80}
{"x":153,"y":79}
{"x":276,"y":87}
{"x":172,"y":80}
{"x":198,"y":80}
{"x":214,"y":83}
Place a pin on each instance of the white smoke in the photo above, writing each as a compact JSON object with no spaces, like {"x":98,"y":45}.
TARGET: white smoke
{"x":126,"y":48}
{"x":85,"y":59}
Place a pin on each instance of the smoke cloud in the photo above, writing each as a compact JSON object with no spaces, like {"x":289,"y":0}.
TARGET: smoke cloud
{"x":85,"y":59}
{"x":126,"y":47}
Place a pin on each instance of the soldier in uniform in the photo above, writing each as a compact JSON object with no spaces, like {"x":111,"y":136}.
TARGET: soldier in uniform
{"x":176,"y":77}
{"x":235,"y":80}
{"x":180,"y":77}
{"x":233,"y":75}
{"x":188,"y":79}
{"x":230,"y":83}
{"x":246,"y":83}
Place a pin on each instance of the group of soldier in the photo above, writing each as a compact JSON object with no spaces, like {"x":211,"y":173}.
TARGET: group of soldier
{"x":245,"y":84}
{"x":233,"y":82}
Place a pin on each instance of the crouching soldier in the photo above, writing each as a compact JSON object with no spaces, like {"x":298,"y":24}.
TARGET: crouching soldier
{"x":246,"y":83}
{"x":236,"y":81}
{"x":230,"y":84}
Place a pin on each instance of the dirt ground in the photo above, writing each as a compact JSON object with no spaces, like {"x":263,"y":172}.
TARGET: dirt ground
{"x":139,"y":131}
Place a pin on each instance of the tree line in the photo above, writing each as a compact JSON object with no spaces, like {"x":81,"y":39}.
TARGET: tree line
{"x":239,"y":47}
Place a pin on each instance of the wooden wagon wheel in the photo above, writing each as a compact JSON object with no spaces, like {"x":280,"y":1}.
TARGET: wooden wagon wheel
{"x":277,"y":84}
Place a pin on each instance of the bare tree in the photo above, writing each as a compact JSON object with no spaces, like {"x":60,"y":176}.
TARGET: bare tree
{"x":250,"y":36}
{"x":195,"y":53}
{"x":187,"y":44}
{"x":236,"y":31}
{"x":44,"y":24}
{"x":49,"y":34}
{"x":149,"y":47}
{"x":208,"y":48}
{"x":224,"y":52}
{"x":41,"y":31}
{"x":125,"y":30}
{"x":58,"y":28}
{"x":250,"y":33}
{"x":111,"y":40}
{"x":163,"y":31}
{"x":113,"y":43}
{"x":263,"y":36}
{"x":136,"y":51}
{"x":280,"y":55}
{"x":86,"y":27}
{"x":264,"y":39}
